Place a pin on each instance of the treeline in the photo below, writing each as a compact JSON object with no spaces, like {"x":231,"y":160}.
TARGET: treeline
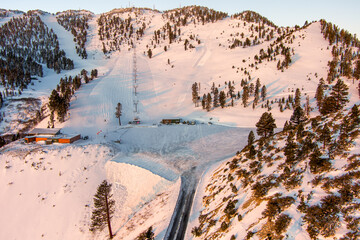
{"x":253,"y":17}
{"x":261,"y":29}
{"x":59,"y":100}
{"x":345,"y":51}
{"x":77,"y":23}
{"x":228,"y":96}
{"x":193,"y":14}
{"x":171,"y":32}
{"x":248,"y":94}
{"x":25,"y":44}
{"x":115,"y":31}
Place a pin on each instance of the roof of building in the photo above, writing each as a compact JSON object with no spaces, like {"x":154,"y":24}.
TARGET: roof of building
{"x":44,"y":131}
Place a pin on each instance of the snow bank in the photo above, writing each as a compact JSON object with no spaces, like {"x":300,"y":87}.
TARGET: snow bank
{"x":136,"y":185}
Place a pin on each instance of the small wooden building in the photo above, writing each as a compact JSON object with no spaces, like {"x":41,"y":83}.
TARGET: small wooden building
{"x":69,"y":139}
{"x":171,"y":121}
{"x":53,"y":139}
{"x":29,"y":139}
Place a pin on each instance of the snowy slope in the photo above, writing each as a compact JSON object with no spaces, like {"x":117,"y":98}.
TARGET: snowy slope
{"x":145,"y":166}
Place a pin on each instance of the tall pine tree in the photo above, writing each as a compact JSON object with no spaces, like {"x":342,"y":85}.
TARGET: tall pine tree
{"x":340,"y":93}
{"x":222,"y":99}
{"x":104,"y":209}
{"x":266,"y":125}
{"x":208,"y":102}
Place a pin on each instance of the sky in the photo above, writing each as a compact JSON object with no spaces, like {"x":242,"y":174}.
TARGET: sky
{"x":343,"y":13}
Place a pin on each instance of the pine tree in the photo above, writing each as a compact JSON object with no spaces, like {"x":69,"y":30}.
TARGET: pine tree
{"x":222,"y":99}
{"x":51,"y":121}
{"x":329,"y":105}
{"x":231,"y":89}
{"x":251,"y":138}
{"x":118,"y":112}
{"x":298,"y":116}
{"x":325,"y":135}
{"x":257,"y":92}
{"x":208,"y":102}
{"x":195,"y":94}
{"x":297,"y":98}
{"x":307,"y":106}
{"x":340,"y":94}
{"x":354,"y":117}
{"x":146,"y":235}
{"x":245,"y":95}
{"x":149,"y":53}
{"x":356,"y":74}
{"x":266,"y":125}
{"x":216,"y":97}
{"x":290,"y":148}
{"x":104,"y":209}
{"x":263,"y":93}
{"x":203,"y":101}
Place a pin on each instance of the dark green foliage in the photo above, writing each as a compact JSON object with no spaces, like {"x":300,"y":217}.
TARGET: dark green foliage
{"x":281,"y":223}
{"x":298,"y":116}
{"x":329,"y":105}
{"x":94,"y":73}
{"x":58,"y":104}
{"x":224,"y":226}
{"x":104,"y":208}
{"x":245,"y":95}
{"x":195,"y":93}
{"x":261,"y":188}
{"x":208,"y":102}
{"x":263,"y":93}
{"x":251,"y":138}
{"x":276,"y":205}
{"x":257,"y":92}
{"x":318,"y":163}
{"x":297,"y":98}
{"x":222,"y":99}
{"x":357,"y":70}
{"x":147,"y":235}
{"x":325,"y":135}
{"x":266,"y":125}
{"x":340,"y":94}
{"x":230,"y":209}
{"x":25,"y":44}
{"x":149,"y":52}
{"x":216,"y":97}
{"x":290,"y":148}
{"x":203,"y":101}
{"x":196,"y":231}
{"x":323,"y":219}
{"x":76,"y":23}
{"x":252,"y":152}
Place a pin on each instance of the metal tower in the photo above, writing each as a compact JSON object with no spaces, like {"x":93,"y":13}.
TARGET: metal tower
{"x":135,"y":84}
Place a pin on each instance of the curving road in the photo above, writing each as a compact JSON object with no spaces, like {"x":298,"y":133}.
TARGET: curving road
{"x":180,"y":217}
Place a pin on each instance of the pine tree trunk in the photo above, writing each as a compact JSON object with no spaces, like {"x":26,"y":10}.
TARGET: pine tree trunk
{"x":119,"y":121}
{"x":108,"y":216}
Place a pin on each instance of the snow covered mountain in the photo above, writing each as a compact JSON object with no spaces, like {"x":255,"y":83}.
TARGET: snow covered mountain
{"x":240,"y":67}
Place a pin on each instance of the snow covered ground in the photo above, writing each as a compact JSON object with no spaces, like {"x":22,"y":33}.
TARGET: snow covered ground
{"x":48,"y":190}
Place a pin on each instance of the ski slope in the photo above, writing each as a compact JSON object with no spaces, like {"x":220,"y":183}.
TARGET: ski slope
{"x":144,"y":163}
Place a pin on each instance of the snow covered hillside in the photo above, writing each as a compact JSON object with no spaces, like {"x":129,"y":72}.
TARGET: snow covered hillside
{"x":241,"y":66}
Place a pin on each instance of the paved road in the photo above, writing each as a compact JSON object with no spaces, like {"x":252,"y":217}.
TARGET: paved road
{"x":180,"y":217}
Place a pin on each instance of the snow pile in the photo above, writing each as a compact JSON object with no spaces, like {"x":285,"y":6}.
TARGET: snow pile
{"x":137,"y":185}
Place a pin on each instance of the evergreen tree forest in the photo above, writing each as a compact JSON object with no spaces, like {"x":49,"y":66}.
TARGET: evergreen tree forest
{"x":59,"y":100}
{"x":77,"y":23}
{"x":26,"y":43}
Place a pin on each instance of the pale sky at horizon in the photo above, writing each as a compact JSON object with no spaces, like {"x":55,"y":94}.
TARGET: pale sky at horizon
{"x":344,"y":13}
